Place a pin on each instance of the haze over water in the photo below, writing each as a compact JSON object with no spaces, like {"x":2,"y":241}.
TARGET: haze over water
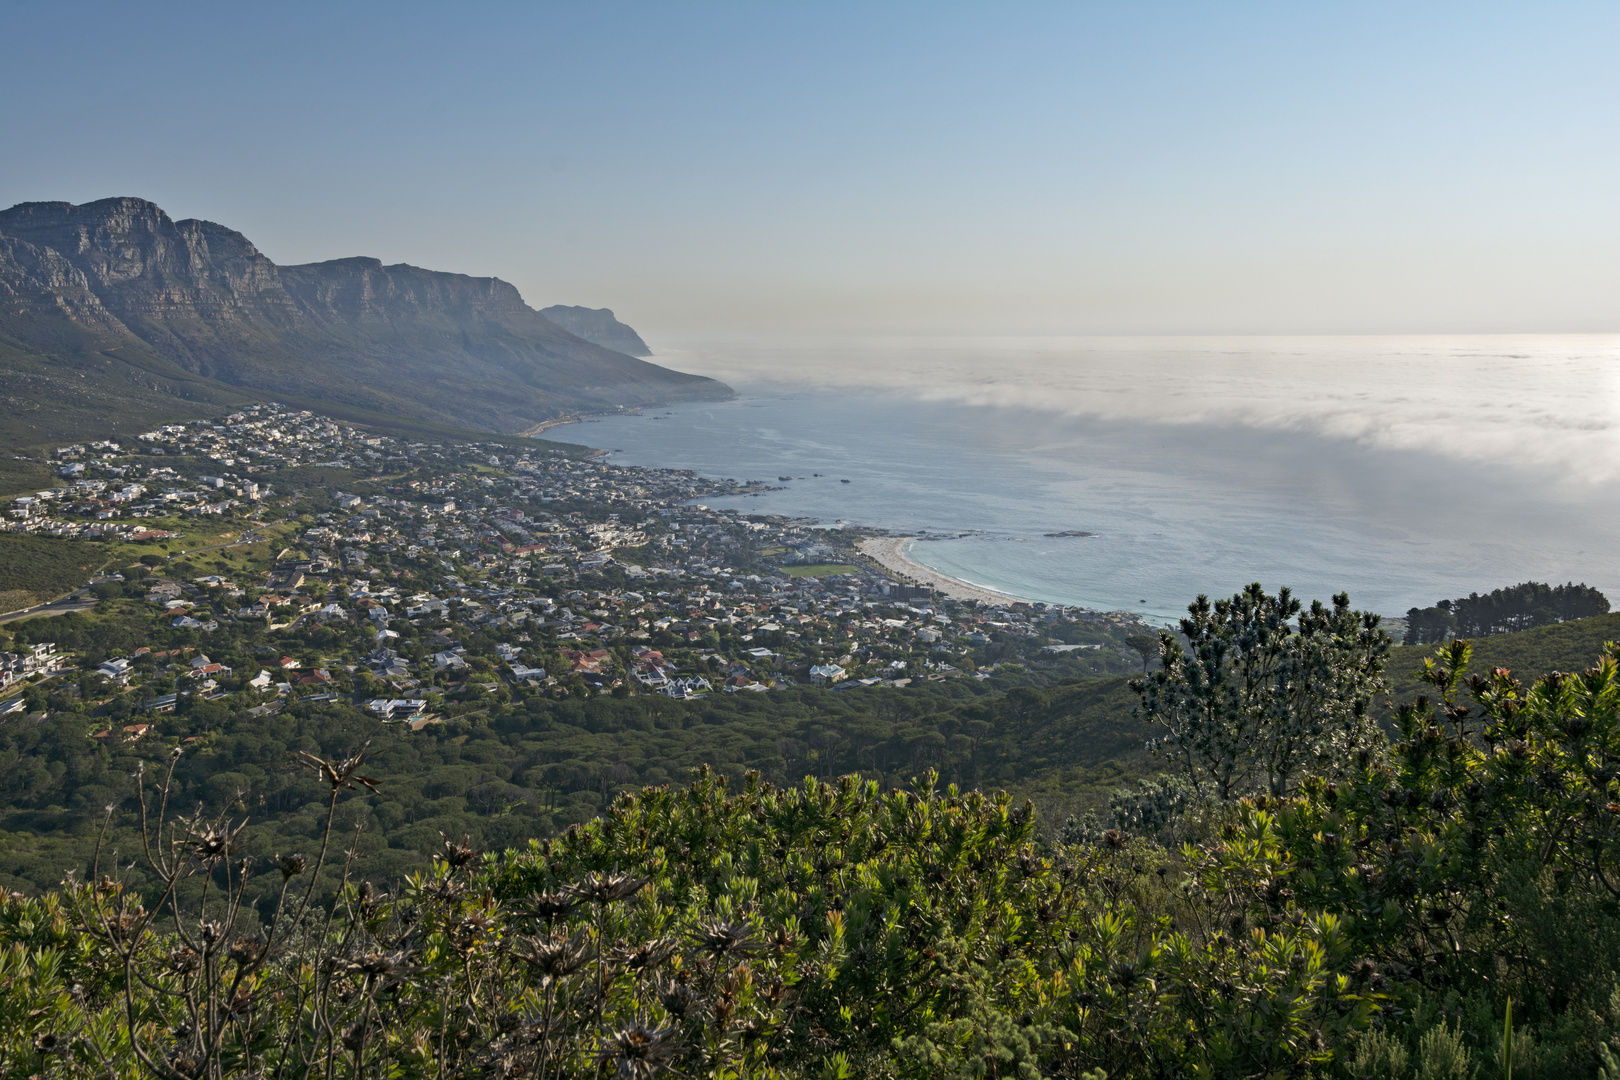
{"x":1399,"y":469}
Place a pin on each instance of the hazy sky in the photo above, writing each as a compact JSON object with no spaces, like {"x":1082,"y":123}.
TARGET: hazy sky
{"x":995,"y":167}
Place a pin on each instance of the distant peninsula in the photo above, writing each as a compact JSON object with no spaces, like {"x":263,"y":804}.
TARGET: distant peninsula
{"x":113,"y":308}
{"x":598,"y":325}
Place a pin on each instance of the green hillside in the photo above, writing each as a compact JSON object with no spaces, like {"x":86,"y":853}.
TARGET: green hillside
{"x":1571,"y":646}
{"x":502,"y":774}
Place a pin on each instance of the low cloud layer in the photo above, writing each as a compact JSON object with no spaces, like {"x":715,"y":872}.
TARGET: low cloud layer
{"x":1546,"y":403}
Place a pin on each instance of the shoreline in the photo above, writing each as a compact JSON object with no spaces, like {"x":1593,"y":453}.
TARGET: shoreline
{"x":889,"y":552}
{"x":547,"y":425}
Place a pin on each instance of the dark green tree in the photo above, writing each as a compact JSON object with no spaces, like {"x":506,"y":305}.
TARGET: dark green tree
{"x":1254,"y":703}
{"x":1146,"y":645}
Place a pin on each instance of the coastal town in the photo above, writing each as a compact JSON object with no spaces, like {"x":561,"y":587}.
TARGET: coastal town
{"x":279,"y":557}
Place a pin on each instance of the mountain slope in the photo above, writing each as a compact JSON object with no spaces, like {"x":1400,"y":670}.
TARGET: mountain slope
{"x":194,"y":303}
{"x":600,"y":326}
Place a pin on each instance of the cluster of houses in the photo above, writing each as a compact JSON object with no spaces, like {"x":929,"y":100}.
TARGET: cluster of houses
{"x":207,"y":467}
{"x":270,"y":436}
{"x":584,"y":575}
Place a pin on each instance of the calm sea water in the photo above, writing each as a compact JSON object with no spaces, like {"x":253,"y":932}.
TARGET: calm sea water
{"x":1401,"y":470}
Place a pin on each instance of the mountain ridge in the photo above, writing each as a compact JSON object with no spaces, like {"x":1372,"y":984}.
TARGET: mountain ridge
{"x":118,"y":278}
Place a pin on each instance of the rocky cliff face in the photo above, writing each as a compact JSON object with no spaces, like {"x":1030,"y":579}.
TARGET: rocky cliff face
{"x":33,"y":275}
{"x":598,"y":325}
{"x":398,"y":339}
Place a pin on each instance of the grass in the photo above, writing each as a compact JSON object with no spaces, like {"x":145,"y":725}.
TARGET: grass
{"x":243,"y":564}
{"x":822,"y":570}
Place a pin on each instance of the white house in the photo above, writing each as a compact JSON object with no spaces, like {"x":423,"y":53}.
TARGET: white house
{"x":687,"y":686}
{"x":397,"y":708}
{"x":826,"y":674}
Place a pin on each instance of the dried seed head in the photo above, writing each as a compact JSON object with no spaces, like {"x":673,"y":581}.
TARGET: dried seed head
{"x":182,"y":959}
{"x":643,"y":956}
{"x":248,"y":951}
{"x":457,"y":855}
{"x":677,"y":997}
{"x":213,"y":843}
{"x":721,"y":939}
{"x":555,"y":955}
{"x":341,"y":773}
{"x":122,"y":927}
{"x":380,"y":964}
{"x":549,"y":906}
{"x":607,"y":888}
{"x":291,"y":865}
{"x":638,"y":1052}
{"x":472,"y":927}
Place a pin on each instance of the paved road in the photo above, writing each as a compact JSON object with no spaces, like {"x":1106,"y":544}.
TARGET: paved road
{"x":73,"y":601}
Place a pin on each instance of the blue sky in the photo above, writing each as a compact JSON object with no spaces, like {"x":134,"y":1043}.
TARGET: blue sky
{"x":875,"y":167}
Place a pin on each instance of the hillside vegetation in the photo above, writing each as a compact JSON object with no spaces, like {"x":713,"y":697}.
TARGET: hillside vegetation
{"x":501,"y":774}
{"x":33,"y":569}
{"x":1440,"y":909}
{"x":1569,"y":646}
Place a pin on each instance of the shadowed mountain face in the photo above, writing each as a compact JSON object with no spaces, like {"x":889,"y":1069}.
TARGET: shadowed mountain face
{"x":598,"y":325}
{"x":162,"y":302}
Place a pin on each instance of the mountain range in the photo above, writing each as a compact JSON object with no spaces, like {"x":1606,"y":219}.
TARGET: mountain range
{"x":112,"y":304}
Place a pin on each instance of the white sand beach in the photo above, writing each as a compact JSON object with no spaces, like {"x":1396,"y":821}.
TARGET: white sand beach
{"x":890,"y":552}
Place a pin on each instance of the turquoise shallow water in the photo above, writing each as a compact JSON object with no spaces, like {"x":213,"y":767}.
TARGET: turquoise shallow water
{"x":1177,"y":507}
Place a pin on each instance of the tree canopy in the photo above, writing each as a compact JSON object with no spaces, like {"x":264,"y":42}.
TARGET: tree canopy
{"x":1503,"y":611}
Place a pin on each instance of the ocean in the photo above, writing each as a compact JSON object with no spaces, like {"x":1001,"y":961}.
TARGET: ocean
{"x":1401,"y":470}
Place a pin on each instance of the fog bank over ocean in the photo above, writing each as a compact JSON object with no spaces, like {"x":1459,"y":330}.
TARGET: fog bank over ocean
{"x":1401,"y":469}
